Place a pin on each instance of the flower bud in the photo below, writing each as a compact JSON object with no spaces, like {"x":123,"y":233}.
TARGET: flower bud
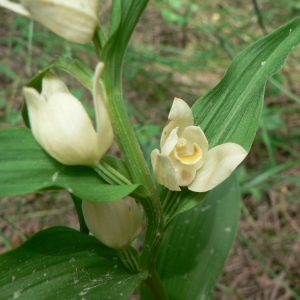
{"x":61,"y":125}
{"x":74,"y":20}
{"x":113,"y":223}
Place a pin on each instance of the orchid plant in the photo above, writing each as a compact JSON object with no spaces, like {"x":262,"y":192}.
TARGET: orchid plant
{"x":189,"y":208}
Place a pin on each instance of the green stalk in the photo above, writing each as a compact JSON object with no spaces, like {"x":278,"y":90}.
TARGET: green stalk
{"x":139,"y":171}
{"x":29,"y":54}
{"x":170,"y":205}
{"x":156,"y":287}
{"x":110,"y":175}
{"x":99,"y":40}
{"x":112,"y":55}
{"x":78,"y":205}
{"x":129,"y":260}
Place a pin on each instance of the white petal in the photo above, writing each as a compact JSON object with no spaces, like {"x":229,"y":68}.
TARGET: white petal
{"x":170,"y":143}
{"x":164,"y":170}
{"x":74,"y":20}
{"x":194,"y":134}
{"x":220,"y":162}
{"x":15,"y":7}
{"x":185,"y":175}
{"x":109,"y":222}
{"x":153,"y":156}
{"x":62,"y":127}
{"x":52,"y":84}
{"x":105,"y":133}
{"x":180,"y":116}
{"x":136,"y":219}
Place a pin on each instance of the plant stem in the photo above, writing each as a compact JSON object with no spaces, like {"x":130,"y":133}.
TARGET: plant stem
{"x":259,"y":17}
{"x":113,"y":55}
{"x":129,"y":260}
{"x":156,"y":287}
{"x":170,"y":205}
{"x":78,"y":202}
{"x":138,"y":170}
{"x":110,"y":175}
{"x":99,"y":40}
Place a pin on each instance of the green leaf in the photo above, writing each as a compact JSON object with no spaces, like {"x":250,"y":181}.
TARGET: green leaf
{"x":189,"y":200}
{"x":116,"y":16}
{"x":231,"y":111}
{"x":194,"y":251}
{"x":25,"y":168}
{"x":5,"y":70}
{"x":125,"y":18}
{"x":73,"y":66}
{"x":61,"y":263}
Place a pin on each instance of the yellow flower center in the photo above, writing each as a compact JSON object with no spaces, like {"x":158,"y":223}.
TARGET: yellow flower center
{"x":185,"y":155}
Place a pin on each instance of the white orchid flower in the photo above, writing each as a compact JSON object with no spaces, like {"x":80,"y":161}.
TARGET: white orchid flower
{"x":74,"y":20}
{"x":113,"y":223}
{"x":61,"y":125}
{"x":185,"y":158}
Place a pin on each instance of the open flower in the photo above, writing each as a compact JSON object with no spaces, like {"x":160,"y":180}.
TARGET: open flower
{"x":185,"y":160}
{"x":113,"y":223}
{"x":74,"y":20}
{"x":61,"y":125}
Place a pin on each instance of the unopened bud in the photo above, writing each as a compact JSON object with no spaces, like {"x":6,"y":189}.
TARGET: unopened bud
{"x":115,"y":224}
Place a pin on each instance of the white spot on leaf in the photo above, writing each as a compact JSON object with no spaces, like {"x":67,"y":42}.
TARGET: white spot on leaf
{"x":55,"y":176}
{"x":17,"y":294}
{"x":205,"y":208}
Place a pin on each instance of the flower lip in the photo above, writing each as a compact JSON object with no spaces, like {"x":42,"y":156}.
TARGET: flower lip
{"x":184,"y":155}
